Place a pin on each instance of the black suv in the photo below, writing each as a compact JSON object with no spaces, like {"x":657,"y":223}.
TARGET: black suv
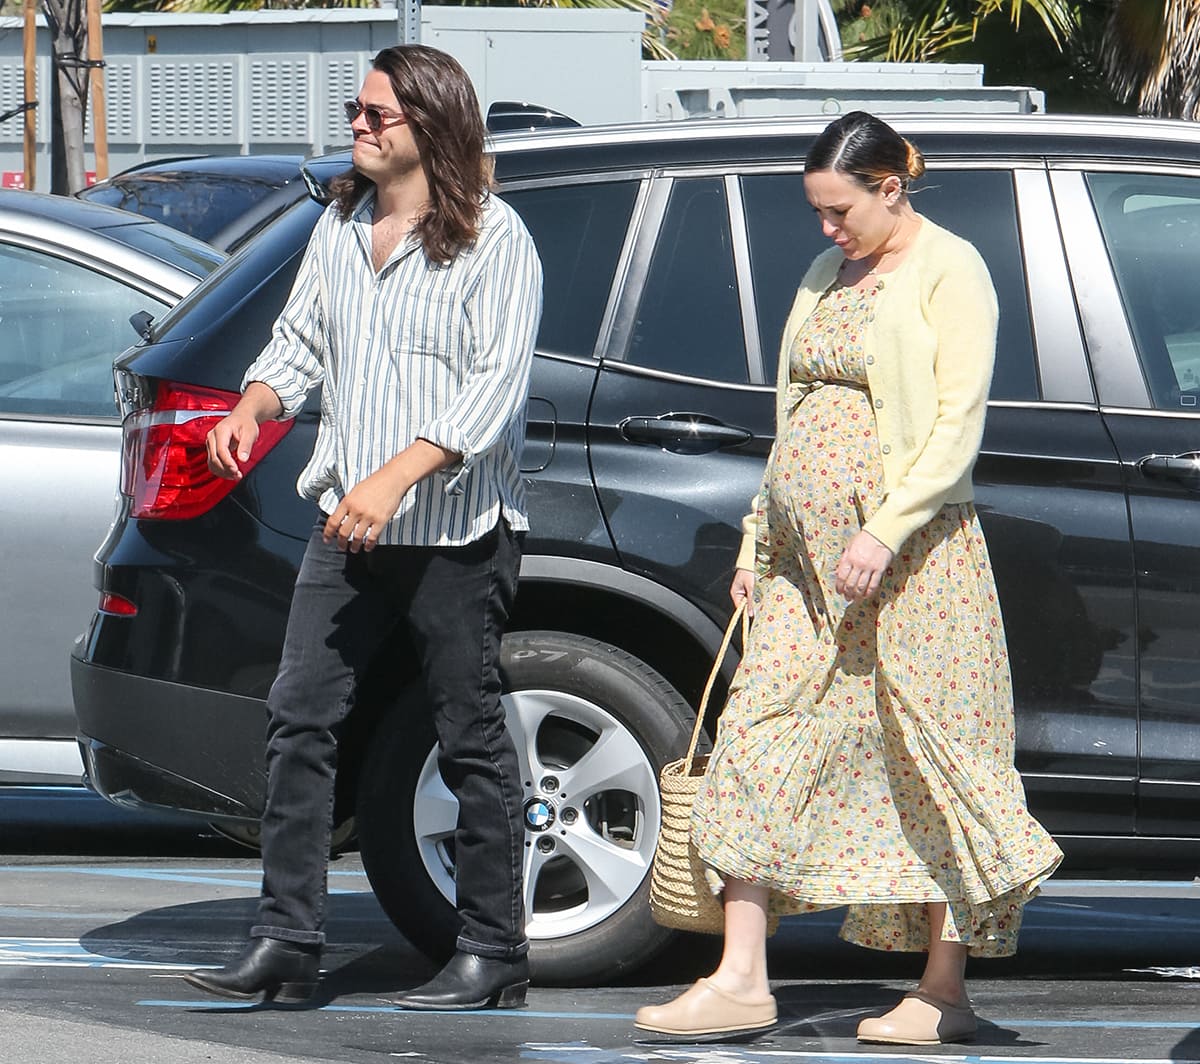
{"x":671,"y":255}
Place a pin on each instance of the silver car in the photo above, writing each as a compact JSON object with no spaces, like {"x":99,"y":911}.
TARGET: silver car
{"x":72,"y":274}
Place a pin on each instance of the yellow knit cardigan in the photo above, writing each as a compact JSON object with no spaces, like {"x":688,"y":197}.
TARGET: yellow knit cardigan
{"x":930,"y":346}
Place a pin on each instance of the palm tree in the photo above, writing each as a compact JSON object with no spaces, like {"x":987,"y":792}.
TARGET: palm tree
{"x":1151,"y":54}
{"x":920,"y":31}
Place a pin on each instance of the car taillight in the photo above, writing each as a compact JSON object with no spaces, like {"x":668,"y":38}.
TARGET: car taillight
{"x":118,"y":605}
{"x":164,"y":467}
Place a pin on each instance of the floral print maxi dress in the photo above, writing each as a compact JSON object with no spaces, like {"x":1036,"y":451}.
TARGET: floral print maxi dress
{"x":865,"y":754}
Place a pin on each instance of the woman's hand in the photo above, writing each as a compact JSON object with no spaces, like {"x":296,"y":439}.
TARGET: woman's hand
{"x":862,"y":565}
{"x":742,"y":589}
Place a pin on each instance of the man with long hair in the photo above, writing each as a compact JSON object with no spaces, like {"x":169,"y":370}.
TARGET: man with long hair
{"x":415,"y":308}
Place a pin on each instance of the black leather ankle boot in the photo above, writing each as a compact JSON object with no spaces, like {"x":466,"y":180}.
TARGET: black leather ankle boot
{"x":280,"y":971}
{"x":471,"y":982}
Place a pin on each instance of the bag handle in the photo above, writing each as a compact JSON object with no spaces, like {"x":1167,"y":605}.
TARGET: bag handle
{"x":738,"y":614}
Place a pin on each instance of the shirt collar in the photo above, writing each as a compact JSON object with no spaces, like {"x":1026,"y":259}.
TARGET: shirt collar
{"x":360,"y":221}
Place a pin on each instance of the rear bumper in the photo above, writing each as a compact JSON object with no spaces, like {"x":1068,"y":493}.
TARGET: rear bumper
{"x":150,"y":743}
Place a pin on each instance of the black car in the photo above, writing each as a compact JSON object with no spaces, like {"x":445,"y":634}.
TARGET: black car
{"x":221,"y":199}
{"x":671,"y":256}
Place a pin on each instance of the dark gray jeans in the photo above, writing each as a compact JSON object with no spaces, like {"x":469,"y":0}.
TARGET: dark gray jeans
{"x":453,"y":602}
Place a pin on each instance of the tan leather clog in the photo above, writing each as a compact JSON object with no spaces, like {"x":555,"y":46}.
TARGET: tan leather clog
{"x":920,"y":1020}
{"x":706,"y":1009}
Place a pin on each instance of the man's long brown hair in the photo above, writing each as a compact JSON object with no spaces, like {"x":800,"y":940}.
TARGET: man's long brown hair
{"x":442,"y":110}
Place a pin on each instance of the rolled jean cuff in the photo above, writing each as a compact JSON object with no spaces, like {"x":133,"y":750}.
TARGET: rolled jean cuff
{"x":484,"y":949}
{"x":288,"y":934}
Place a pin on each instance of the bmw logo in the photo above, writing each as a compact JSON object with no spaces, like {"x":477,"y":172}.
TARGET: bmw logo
{"x":539,"y":814}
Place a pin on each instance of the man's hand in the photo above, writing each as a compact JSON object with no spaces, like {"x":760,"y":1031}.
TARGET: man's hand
{"x":742,"y":589}
{"x":368,"y":506}
{"x":232,"y":438}
{"x":860,"y":570}
{"x":237,"y":430}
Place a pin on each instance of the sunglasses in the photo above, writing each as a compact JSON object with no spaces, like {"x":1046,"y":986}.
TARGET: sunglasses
{"x":376,"y":117}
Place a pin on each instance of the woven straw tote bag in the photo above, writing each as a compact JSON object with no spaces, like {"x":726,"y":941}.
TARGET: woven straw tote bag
{"x":679,"y":893}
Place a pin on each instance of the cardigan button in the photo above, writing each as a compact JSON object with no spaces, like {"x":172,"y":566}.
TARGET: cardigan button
{"x":870,"y":360}
{"x":886,"y":448}
{"x":878,"y":404}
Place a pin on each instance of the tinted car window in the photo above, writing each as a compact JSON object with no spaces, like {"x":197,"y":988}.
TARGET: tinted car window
{"x":785,"y":236}
{"x":187,"y":253}
{"x":579,"y":230}
{"x":978,"y":205}
{"x":690,"y":319}
{"x":195,"y":203}
{"x":62,"y":325}
{"x":1151,"y":225}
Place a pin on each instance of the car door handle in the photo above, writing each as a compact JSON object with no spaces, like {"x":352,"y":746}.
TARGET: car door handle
{"x":685,"y":433}
{"x":1181,"y":467}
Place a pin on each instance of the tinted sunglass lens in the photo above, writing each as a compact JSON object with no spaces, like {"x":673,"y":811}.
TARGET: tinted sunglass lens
{"x":372,"y":115}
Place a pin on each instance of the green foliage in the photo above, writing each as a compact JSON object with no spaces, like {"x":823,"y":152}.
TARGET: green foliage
{"x":1056,"y":51}
{"x":707,"y":29}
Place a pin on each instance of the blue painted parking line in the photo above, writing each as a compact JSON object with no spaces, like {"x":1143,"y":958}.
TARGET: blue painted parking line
{"x":512,"y":1014}
{"x":516,"y":1014}
{"x":151,"y":872}
{"x":207,"y":877}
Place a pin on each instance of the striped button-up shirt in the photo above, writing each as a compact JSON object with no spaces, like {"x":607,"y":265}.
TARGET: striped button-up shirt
{"x":440,"y":352}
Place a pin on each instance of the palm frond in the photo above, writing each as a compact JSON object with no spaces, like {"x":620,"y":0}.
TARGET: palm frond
{"x":931,"y":27}
{"x":1060,"y":17}
{"x":1150,"y":53}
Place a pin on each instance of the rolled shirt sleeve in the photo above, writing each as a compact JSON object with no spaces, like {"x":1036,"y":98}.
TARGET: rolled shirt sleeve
{"x":503,"y":307}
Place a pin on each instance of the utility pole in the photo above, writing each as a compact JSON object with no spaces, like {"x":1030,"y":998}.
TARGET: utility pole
{"x":30,"y":177}
{"x":95,"y":43}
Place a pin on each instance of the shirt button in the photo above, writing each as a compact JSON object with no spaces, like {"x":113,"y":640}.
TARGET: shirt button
{"x":878,"y":404}
{"x":886,"y":448}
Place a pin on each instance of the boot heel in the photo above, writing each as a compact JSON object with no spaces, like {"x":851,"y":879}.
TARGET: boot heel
{"x":294,"y":993}
{"x":512,"y":997}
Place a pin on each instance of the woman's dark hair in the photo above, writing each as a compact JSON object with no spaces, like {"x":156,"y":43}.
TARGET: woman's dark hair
{"x":443,"y":113}
{"x":866,"y":149}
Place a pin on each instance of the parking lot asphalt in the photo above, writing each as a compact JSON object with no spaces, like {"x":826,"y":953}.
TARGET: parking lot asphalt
{"x":91,"y":948}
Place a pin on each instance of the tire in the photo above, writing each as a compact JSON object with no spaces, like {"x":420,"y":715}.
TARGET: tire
{"x":587,"y":866}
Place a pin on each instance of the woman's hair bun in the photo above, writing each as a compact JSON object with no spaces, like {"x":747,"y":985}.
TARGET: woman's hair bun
{"x":916,"y":161}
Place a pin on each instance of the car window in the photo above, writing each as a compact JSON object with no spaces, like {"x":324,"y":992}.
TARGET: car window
{"x":978,"y":205}
{"x":198,"y":204}
{"x":1151,"y":226}
{"x":179,"y":249}
{"x":63,"y":325}
{"x":690,"y":317}
{"x":579,"y":231}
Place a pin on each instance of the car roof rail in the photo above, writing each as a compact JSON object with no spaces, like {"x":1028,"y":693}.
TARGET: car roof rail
{"x":506,"y":115}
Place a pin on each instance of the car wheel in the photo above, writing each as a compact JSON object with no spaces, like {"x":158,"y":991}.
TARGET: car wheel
{"x":592,"y":727}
